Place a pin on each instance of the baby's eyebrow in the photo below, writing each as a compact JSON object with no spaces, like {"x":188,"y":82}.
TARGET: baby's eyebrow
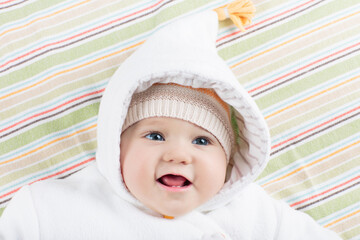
{"x":149,"y":126}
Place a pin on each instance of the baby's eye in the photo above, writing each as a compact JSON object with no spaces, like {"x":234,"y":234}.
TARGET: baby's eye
{"x":201,"y":141}
{"x":155,"y":137}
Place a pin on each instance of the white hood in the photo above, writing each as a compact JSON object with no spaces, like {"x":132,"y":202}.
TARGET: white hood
{"x":182,"y":52}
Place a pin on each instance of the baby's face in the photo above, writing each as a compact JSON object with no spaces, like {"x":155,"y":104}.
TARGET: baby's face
{"x":170,"y":165}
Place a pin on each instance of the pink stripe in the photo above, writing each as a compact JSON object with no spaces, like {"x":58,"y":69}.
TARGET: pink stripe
{"x":306,"y":66}
{"x":52,"y":109}
{"x":65,"y":170}
{"x":80,"y":34}
{"x":312,"y":129}
{"x":7,"y":2}
{"x":49,"y":176}
{"x":327,"y":191}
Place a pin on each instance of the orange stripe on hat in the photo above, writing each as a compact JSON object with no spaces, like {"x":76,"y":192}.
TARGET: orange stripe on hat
{"x":208,"y":91}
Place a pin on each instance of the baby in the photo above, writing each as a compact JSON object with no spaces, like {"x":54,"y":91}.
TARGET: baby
{"x":174,"y":157}
{"x":180,"y":143}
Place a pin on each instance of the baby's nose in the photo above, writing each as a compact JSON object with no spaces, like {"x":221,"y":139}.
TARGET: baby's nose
{"x":177,"y":155}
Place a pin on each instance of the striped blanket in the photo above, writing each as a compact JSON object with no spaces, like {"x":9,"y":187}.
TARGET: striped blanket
{"x":299,"y":60}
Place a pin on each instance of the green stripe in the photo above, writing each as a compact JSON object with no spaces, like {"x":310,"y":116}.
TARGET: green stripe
{"x":49,"y":127}
{"x":316,"y":78}
{"x":81,"y":149}
{"x":71,"y":87}
{"x":295,"y":55}
{"x":312,"y":181}
{"x":273,"y":33}
{"x":26,"y":10}
{"x":97,"y":44}
{"x":336,"y":204}
{"x":79,"y":19}
{"x":351,"y":233}
{"x":315,"y":113}
{"x":305,"y":149}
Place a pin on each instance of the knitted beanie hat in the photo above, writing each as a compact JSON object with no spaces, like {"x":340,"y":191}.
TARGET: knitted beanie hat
{"x":200,"y":106}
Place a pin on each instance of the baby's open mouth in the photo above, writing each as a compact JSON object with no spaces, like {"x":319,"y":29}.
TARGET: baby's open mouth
{"x":171,"y":180}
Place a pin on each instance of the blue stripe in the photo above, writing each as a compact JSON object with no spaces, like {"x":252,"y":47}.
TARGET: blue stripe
{"x":335,"y":181}
{"x":53,"y":136}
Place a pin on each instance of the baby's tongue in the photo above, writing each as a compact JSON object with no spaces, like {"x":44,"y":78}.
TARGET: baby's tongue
{"x":172,"y":180}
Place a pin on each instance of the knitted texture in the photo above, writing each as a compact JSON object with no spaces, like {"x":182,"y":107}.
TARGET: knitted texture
{"x":201,"y":107}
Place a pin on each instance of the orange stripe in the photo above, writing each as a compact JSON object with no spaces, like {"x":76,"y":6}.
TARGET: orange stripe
{"x":343,"y":218}
{"x":313,"y":96}
{"x":49,"y":143}
{"x":292,"y":40}
{"x":69,"y":70}
{"x":310,"y":164}
{"x":44,"y":17}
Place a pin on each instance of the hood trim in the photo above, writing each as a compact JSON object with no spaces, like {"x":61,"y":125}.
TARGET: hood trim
{"x":243,"y":172}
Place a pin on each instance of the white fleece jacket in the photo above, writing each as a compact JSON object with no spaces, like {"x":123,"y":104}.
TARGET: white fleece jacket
{"x":95,"y":204}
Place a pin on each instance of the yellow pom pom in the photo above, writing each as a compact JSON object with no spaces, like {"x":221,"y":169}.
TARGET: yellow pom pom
{"x":240,"y":12}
